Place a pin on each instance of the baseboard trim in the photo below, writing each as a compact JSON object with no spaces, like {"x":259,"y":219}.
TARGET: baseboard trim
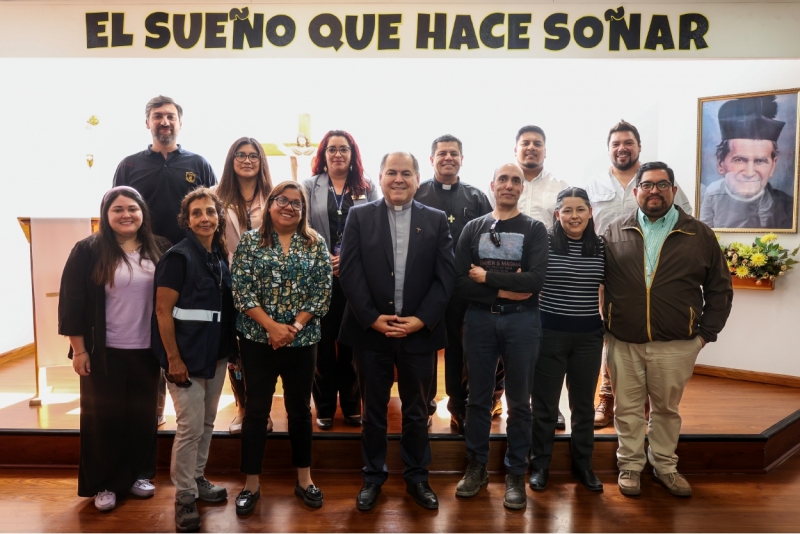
{"x":19,"y":352}
{"x":749,"y":376}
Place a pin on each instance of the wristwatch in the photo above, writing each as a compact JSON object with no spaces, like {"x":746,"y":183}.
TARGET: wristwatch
{"x":298,"y":325}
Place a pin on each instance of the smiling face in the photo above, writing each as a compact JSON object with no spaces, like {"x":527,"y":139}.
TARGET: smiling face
{"x":398,"y":178}
{"x":337,"y":155}
{"x":574,"y":215}
{"x":623,"y":149}
{"x":507,"y":185}
{"x":655,"y":203}
{"x":246,"y":169}
{"x":748,"y":166}
{"x":446,"y":161}
{"x":203,"y":217}
{"x":124,"y":217}
{"x":530,"y":150}
{"x":286,"y":218}
{"x":164,"y":124}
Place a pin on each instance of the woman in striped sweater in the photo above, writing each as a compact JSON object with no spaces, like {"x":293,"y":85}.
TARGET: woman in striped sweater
{"x":572,"y":342}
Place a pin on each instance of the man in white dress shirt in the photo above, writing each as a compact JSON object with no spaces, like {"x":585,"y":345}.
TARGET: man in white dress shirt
{"x":538,"y":199}
{"x":612,"y":195}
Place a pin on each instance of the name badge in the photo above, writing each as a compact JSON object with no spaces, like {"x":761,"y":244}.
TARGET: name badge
{"x":359,"y":197}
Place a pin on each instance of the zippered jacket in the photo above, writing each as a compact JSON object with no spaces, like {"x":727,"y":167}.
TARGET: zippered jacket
{"x":690,"y":293}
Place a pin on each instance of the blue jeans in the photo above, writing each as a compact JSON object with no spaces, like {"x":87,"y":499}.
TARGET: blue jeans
{"x":488,"y":337}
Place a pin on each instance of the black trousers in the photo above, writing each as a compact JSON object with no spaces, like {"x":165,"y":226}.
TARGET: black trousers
{"x":375,"y":377}
{"x":455,"y":369}
{"x":262,"y":366}
{"x":118,"y":421}
{"x":578,"y":356}
{"x":335,"y":374}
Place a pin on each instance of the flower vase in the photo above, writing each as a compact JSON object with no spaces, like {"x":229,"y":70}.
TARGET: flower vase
{"x":750,"y":283}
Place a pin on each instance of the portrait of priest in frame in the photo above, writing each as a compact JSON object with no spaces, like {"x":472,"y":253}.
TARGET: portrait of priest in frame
{"x":752,"y":191}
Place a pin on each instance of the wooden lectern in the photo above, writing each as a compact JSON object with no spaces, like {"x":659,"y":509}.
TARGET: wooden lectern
{"x":51,"y":241}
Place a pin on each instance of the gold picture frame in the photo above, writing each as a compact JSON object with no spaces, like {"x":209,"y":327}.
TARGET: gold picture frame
{"x":743,"y":185}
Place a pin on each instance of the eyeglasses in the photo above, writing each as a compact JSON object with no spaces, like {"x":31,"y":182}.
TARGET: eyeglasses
{"x":648,"y":186}
{"x":282,"y":202}
{"x":332,"y":150}
{"x":241,"y":157}
{"x":494,"y":235}
{"x":179,"y":384}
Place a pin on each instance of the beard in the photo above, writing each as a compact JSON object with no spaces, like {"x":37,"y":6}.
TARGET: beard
{"x":656,"y":211}
{"x":165,"y":138}
{"x":625,"y":166}
{"x":531,"y":165}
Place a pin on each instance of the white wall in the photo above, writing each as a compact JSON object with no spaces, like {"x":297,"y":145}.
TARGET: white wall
{"x":399,"y":104}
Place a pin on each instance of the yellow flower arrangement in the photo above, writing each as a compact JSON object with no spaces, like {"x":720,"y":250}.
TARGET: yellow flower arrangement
{"x":765,"y":259}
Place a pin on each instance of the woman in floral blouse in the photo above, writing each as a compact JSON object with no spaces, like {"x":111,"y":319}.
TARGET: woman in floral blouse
{"x":282,"y":284}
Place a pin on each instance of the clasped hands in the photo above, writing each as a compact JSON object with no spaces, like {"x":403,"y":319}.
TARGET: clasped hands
{"x":281,"y":335}
{"x":394,"y":326}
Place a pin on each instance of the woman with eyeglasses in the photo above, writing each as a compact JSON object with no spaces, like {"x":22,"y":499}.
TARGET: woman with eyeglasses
{"x":338,"y":184}
{"x":572,"y":342}
{"x":243,"y":189}
{"x":282,"y":286}
{"x":104,"y":307}
{"x":194,"y":336}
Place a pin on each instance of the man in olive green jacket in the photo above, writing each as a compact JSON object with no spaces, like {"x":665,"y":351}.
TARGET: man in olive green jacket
{"x":667,"y":293}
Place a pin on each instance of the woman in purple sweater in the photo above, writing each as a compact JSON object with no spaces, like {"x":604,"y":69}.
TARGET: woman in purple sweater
{"x":105,"y":304}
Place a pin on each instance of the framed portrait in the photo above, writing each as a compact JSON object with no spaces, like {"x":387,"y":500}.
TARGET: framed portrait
{"x":747,"y":161}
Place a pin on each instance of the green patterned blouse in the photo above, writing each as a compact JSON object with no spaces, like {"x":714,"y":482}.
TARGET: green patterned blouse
{"x":282,"y":284}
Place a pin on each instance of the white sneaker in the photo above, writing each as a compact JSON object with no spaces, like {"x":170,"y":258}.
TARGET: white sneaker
{"x":143,"y":488}
{"x":161,"y":420}
{"x":105,"y":501}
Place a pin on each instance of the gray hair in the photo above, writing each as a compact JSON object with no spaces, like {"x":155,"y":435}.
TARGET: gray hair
{"x":400,"y":153}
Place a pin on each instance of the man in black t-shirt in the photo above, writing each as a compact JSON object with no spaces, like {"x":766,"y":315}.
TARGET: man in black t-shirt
{"x":164,"y":172}
{"x":461,"y":203}
{"x":501,"y":263}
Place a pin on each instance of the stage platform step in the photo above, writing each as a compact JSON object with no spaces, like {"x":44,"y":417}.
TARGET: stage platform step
{"x":729,"y":426}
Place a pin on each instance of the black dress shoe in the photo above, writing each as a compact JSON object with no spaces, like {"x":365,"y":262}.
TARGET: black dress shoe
{"x":368,"y":496}
{"x":561,"y":423}
{"x":588,"y":479}
{"x":353,"y":420}
{"x":457,"y":422}
{"x":312,"y":495}
{"x":423,"y":495}
{"x":246,"y":501}
{"x":538,"y":480}
{"x":325,"y":423}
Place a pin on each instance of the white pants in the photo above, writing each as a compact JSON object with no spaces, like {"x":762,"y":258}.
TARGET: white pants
{"x":195,"y":411}
{"x":660,"y":370}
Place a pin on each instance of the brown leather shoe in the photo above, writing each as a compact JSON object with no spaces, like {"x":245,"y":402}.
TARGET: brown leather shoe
{"x":604,"y":414}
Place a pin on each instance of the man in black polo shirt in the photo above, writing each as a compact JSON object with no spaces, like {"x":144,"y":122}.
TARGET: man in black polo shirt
{"x":164,"y":172}
{"x":461,"y":203}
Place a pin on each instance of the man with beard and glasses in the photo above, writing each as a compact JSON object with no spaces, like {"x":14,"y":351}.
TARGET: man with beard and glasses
{"x":163,"y":174}
{"x":612,"y":194}
{"x":539,"y":192}
{"x":657,"y":319}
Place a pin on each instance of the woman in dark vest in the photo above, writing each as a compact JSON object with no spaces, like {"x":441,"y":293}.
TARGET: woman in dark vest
{"x":104,"y":307}
{"x":572,"y":338}
{"x":193,"y":338}
{"x":338,"y":184}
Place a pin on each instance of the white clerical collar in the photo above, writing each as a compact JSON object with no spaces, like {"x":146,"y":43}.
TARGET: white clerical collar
{"x":743,"y":199}
{"x":398,"y":208}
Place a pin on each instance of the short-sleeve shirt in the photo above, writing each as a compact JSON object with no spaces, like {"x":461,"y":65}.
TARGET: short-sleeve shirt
{"x":163,"y":183}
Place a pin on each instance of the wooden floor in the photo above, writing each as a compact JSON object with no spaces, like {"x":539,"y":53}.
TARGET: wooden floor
{"x":44,"y":500}
{"x":710,"y":406}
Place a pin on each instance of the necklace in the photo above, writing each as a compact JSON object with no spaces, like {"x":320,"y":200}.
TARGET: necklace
{"x":128,"y":248}
{"x":250,"y":207}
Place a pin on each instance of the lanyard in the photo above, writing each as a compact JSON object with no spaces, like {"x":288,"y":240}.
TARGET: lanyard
{"x":338,"y":200}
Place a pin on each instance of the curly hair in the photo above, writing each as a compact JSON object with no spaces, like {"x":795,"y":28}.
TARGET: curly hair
{"x":205,"y":193}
